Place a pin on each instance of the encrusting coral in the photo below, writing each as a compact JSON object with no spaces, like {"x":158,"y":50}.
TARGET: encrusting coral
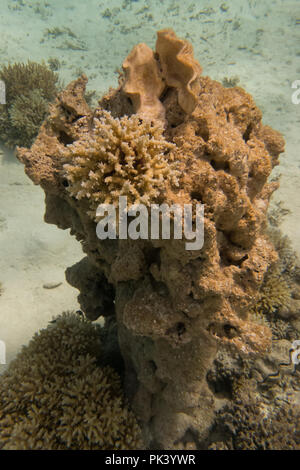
{"x":174,"y":308}
{"x":56,"y":396}
{"x":29,"y":89}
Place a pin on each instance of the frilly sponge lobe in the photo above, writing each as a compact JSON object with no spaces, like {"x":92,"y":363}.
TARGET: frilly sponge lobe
{"x":119,"y":157}
{"x":179,"y":67}
{"x":144,"y":83}
{"x":148,"y":75}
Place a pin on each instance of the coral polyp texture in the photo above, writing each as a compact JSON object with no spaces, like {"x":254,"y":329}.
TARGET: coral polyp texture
{"x":119,"y":157}
{"x":174,"y":309}
{"x":29,"y":88}
{"x":55,"y":395}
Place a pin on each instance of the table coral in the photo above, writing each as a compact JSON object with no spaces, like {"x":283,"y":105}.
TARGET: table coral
{"x":174,"y":308}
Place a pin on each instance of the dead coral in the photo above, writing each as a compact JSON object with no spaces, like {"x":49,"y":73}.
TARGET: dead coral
{"x":29,"y":89}
{"x":54,"y":395}
{"x":119,"y":157}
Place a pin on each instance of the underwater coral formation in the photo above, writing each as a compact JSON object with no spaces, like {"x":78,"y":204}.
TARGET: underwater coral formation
{"x":29,"y":90}
{"x":174,"y":308}
{"x":55,"y":395}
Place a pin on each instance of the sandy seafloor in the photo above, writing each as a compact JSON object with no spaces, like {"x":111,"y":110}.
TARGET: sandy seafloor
{"x":259,"y":42}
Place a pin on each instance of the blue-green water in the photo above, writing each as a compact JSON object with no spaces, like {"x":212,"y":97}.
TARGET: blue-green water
{"x":254,"y":44}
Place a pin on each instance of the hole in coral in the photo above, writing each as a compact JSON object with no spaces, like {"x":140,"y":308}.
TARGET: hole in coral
{"x":180,"y":328}
{"x":177,"y":331}
{"x":153,"y":366}
{"x":165,"y":94}
{"x":220,"y":386}
{"x":219,"y":165}
{"x":196,"y":195}
{"x":75,"y":118}
{"x":223,"y":330}
{"x":230,"y":262}
{"x":64,"y":138}
{"x":152,"y":256}
{"x":246,"y":135}
{"x":65,"y":183}
{"x":230,"y":331}
{"x":203,"y":132}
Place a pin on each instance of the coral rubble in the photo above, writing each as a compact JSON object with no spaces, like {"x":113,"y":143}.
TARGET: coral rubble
{"x":175,"y":309}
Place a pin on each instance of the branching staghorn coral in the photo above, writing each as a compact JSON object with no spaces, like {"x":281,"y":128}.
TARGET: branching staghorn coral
{"x":29,"y":90}
{"x":119,"y":157}
{"x":55,"y":396}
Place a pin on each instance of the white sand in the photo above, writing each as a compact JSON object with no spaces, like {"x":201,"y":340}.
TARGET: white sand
{"x":256,"y":41}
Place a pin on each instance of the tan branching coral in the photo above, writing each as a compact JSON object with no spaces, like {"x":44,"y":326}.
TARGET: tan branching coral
{"x":144,"y":83}
{"x":119,"y":157}
{"x":54,"y":395}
